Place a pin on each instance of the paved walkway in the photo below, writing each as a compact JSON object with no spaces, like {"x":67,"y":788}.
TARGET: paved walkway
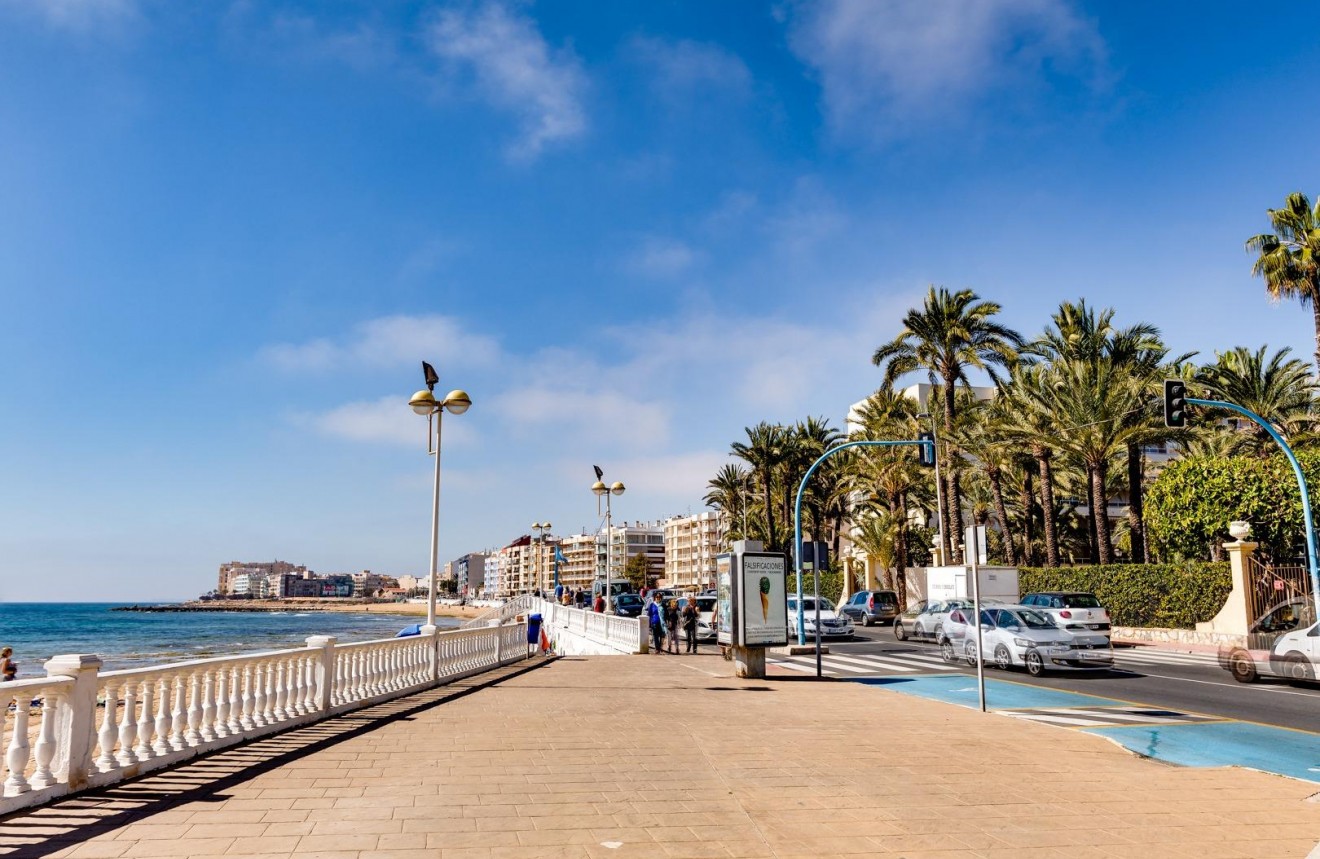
{"x":669,"y":756}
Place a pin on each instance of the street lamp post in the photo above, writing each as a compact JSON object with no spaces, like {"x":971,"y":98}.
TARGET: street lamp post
{"x":603,"y":491}
{"x":946,"y":540}
{"x":424,"y":403}
{"x":541,"y":529}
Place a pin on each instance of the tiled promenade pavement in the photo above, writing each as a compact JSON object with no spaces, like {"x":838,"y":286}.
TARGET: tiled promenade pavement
{"x":669,"y":756}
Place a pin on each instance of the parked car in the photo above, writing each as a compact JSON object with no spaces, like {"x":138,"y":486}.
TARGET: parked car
{"x":903,"y":623}
{"x":1075,"y":611}
{"x":1284,"y":642}
{"x":705,"y":616}
{"x":627,"y":605}
{"x":933,"y":622}
{"x":1023,"y":636}
{"x":868,"y":607}
{"x":832,"y":624}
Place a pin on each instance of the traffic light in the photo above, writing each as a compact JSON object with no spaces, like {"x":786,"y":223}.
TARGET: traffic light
{"x":926,"y":452}
{"x":1175,"y":403}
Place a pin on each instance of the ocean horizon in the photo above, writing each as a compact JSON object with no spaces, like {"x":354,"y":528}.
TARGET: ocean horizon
{"x":130,"y":639}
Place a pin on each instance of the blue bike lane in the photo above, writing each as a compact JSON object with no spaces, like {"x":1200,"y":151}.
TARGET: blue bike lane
{"x":1175,"y":736}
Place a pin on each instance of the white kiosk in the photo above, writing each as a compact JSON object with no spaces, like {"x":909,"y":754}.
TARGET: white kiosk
{"x":751,"y":587}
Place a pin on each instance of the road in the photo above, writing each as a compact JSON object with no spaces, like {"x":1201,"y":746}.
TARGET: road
{"x":1189,"y":683}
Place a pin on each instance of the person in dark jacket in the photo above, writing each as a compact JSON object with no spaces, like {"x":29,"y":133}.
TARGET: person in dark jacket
{"x":656,"y":616}
{"x":690,"y":617}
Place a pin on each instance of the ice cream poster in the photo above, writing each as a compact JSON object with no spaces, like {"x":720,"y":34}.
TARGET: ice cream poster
{"x":764,"y":601}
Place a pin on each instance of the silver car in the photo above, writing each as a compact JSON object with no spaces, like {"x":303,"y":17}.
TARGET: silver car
{"x":1015,"y":636}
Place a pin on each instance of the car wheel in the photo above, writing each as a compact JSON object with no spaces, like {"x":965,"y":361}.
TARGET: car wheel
{"x":1296,"y":668}
{"x":866,"y":619}
{"x":899,"y":632}
{"x":947,"y":653}
{"x":1003,"y":661}
{"x":1242,"y":667}
{"x":939,"y":631}
{"x":1035,"y":665}
{"x":969,"y":653}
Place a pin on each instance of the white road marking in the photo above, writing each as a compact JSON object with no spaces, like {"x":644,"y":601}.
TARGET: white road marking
{"x":868,"y":662}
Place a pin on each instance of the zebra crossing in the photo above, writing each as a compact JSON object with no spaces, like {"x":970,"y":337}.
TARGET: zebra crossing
{"x":851,"y":663}
{"x":1107,"y":717}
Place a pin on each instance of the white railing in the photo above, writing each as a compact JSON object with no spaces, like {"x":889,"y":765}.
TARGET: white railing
{"x":503,"y":613}
{"x":614,"y":634}
{"x":91,"y":728}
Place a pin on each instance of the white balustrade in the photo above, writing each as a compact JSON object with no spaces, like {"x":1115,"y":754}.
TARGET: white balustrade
{"x":93,"y":728}
{"x":596,"y":632}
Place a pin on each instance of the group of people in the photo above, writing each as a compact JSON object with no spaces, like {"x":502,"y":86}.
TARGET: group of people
{"x":666,"y":618}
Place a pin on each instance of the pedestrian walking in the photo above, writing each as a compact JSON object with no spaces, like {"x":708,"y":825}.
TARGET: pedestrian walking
{"x":690,"y":616}
{"x":8,"y":667}
{"x":656,"y":617}
{"x":671,"y":623}
{"x":599,"y":606}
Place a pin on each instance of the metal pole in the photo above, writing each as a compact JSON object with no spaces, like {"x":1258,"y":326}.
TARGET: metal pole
{"x":1312,"y":557}
{"x":976,"y":608}
{"x":609,"y":551}
{"x":797,"y":515}
{"x":815,"y":575}
{"x":435,"y":523}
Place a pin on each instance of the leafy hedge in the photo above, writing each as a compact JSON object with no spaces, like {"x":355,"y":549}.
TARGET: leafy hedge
{"x":1166,"y":595}
{"x":1190,"y":504}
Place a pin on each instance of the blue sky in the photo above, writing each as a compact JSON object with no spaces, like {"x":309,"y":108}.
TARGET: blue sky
{"x":230,"y":231}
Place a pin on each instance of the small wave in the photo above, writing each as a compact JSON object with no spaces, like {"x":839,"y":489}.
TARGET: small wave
{"x":303,"y":614}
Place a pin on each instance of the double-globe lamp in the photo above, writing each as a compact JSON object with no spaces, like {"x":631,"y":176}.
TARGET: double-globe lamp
{"x":424,"y":403}
{"x":603,"y":491}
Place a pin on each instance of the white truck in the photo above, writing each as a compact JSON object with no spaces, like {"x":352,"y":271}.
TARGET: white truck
{"x":997,"y":584}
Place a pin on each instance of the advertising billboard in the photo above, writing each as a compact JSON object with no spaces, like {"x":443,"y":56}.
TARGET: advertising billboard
{"x":762,"y":599}
{"x":724,"y":599}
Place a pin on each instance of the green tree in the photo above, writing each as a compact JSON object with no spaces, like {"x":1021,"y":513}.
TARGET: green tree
{"x":764,"y":452}
{"x":727,"y":493}
{"x":950,"y":334}
{"x":1289,"y":258}
{"x":638,"y":572}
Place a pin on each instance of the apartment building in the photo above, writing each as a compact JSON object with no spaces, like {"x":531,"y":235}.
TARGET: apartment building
{"x":627,"y":540}
{"x":578,"y":569}
{"x":470,"y":573}
{"x":227,"y":583}
{"x":526,"y":565}
{"x":690,"y":546}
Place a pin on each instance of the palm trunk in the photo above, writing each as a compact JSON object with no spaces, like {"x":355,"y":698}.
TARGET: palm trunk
{"x":953,"y":500}
{"x":1100,"y":509}
{"x":1025,"y":498}
{"x":1136,"y":523}
{"x":1315,"y":313}
{"x":1001,"y":513}
{"x":1042,"y":455}
{"x":769,"y":515}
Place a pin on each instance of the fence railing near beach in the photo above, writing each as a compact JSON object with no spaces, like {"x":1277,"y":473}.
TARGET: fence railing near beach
{"x":503,"y":613}
{"x":616,"y":634}
{"x":93,"y":728}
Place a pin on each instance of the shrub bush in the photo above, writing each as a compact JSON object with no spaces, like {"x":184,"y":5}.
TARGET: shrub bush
{"x":1167,"y":595}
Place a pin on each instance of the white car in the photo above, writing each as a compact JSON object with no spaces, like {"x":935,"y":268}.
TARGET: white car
{"x":1075,"y":611}
{"x":832,"y":623}
{"x":1285,"y":643}
{"x":1022,"y":636}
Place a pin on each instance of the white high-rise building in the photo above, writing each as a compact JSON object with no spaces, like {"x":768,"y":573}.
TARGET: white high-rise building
{"x":627,"y":540}
{"x":691,"y":544}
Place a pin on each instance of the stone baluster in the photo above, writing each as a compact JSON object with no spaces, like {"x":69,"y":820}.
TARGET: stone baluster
{"x":17,"y":756}
{"x":259,"y":694}
{"x":220,"y":724}
{"x":298,"y":665}
{"x":163,"y":722}
{"x":44,"y":753}
{"x":273,"y":696}
{"x":179,"y":722}
{"x":128,"y":725}
{"x":246,"y":720}
{"x":206,"y":722}
{"x":234,"y":726}
{"x":109,"y":730}
{"x":194,"y":735}
{"x":278,"y":694}
{"x":146,"y":721}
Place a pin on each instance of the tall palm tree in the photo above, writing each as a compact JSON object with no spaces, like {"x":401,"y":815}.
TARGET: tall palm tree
{"x":808,"y":440}
{"x":1278,"y":388}
{"x":728,"y":494}
{"x":1289,"y":258}
{"x":764,"y":452}
{"x":985,"y":439}
{"x":877,"y":535}
{"x":950,"y":334}
{"x":1036,"y":428}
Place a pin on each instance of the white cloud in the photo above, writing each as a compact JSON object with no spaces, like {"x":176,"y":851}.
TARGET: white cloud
{"x":390,"y":341}
{"x":887,"y":64}
{"x":682,"y":67}
{"x":511,"y":64}
{"x":684,"y":475}
{"x":385,"y":420}
{"x":661,"y":258}
{"x":361,"y":46}
{"x":586,"y":416}
{"x":76,"y":16}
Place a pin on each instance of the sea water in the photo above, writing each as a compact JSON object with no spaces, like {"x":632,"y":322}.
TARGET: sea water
{"x":129,"y":639}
